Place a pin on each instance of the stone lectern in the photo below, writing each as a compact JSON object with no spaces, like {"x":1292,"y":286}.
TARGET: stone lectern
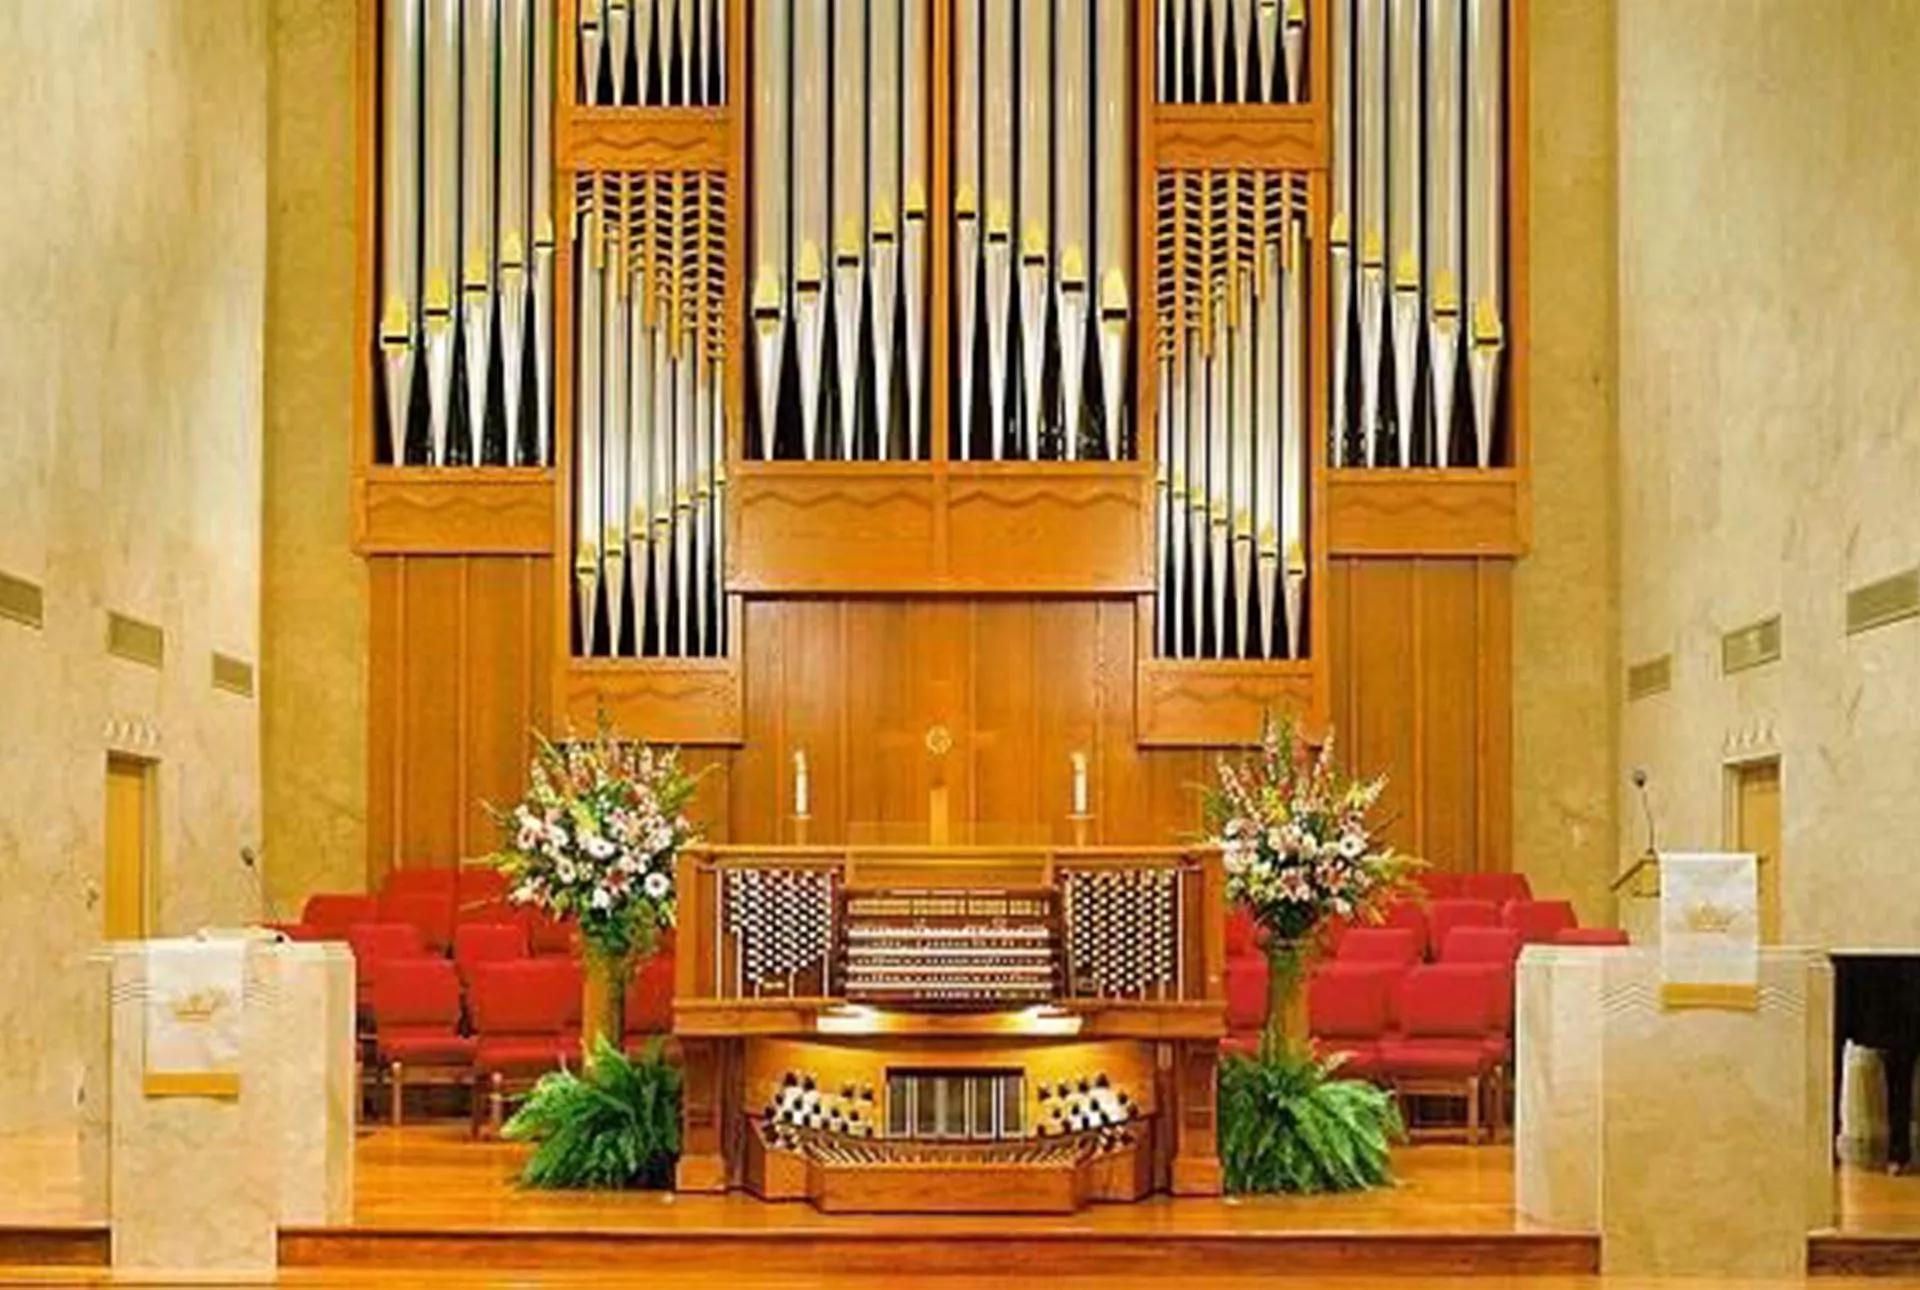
{"x":195,"y":1172}
{"x":1696,"y":1141}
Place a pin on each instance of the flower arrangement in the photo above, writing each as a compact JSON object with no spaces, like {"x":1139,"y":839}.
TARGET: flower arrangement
{"x":595,"y":840}
{"x":1299,"y":847}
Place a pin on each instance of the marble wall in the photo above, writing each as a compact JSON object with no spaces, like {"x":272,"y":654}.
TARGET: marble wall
{"x":1565,"y":603}
{"x":1769,"y":418}
{"x":132,"y":280}
{"x":314,"y":598}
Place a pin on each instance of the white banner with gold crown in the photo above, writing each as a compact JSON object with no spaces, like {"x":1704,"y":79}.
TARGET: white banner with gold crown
{"x":1709,"y":930}
{"x":195,"y":990}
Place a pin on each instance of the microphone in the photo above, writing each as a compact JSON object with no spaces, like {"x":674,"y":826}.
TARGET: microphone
{"x":1646,"y":808}
{"x":250,"y":861}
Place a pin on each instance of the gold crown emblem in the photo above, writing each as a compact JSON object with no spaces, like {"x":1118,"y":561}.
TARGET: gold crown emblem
{"x":198,"y":1007}
{"x":1705,"y":916}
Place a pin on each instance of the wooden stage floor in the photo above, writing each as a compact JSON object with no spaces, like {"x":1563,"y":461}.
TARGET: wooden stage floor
{"x":434,"y":1208}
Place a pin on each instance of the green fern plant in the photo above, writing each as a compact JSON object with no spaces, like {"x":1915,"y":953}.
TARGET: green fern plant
{"x":1287,"y":1124}
{"x":616,"y":1125}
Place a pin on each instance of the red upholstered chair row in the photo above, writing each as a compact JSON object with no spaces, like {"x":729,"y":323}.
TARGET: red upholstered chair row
{"x":1499,"y":888}
{"x":1430,"y":1029}
{"x":1539,"y":921}
{"x":1601,"y":936}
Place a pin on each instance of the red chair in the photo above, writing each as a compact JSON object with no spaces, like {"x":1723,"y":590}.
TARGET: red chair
{"x":1497,"y":887}
{"x":481,"y":896}
{"x":416,"y":1012}
{"x":1498,"y":948}
{"x":649,"y":1003}
{"x":1439,"y":884}
{"x":1348,"y":1013}
{"x":477,"y":943}
{"x":1412,"y":917}
{"x":1445,"y":1021}
{"x":1539,"y":921}
{"x":1591,"y":936}
{"x":326,"y":916}
{"x":1396,"y":946}
{"x":526,"y":1016}
{"x":550,"y":937}
{"x":1246,"y":981}
{"x":375,"y":943}
{"x":1445,"y":915}
{"x":420,"y":880}
{"x":430,"y":912}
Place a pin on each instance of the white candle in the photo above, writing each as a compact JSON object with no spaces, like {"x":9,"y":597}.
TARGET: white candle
{"x":1079,"y":761}
{"x":800,"y":783}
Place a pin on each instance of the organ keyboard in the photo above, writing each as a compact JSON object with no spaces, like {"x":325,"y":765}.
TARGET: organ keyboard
{"x":950,"y":1028}
{"x":958,"y":950}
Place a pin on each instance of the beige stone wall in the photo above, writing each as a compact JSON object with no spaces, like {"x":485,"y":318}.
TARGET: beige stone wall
{"x":1565,"y":611}
{"x":132,"y":278}
{"x":314,"y":612}
{"x":1770,"y":427}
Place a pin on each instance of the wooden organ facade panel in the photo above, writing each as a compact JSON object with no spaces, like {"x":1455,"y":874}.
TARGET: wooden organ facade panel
{"x":460,"y":661}
{"x":1015,"y":604}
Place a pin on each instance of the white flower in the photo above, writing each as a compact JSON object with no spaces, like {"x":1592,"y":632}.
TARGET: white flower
{"x":1353,"y":846}
{"x":598,"y":847}
{"x":657,"y":885}
{"x":602,"y":898}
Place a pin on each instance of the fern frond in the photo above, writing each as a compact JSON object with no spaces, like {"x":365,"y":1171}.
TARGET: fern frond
{"x":616,"y":1125}
{"x":1289,"y":1124}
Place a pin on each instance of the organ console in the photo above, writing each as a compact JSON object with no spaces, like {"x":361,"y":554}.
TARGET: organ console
{"x":950,"y":1028}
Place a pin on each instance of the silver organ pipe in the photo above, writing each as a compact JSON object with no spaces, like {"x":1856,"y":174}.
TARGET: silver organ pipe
{"x":996,"y":129}
{"x":1417,"y":241}
{"x":400,"y":87}
{"x":849,"y":216}
{"x":1042,"y":208}
{"x":1231,"y":51}
{"x":466,"y":232}
{"x":1231,"y":505}
{"x":478,"y":170}
{"x":651,"y":53}
{"x":1113,"y":208}
{"x":914,"y":181}
{"x":650,"y":414}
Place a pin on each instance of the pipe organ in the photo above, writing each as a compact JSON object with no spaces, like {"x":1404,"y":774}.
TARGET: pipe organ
{"x":1231,"y":51}
{"x":651,"y":53}
{"x":466,"y":234}
{"x":1231,"y":483}
{"x":840,"y":234}
{"x":1042,"y":230}
{"x":650,"y":412}
{"x":1418,"y":233}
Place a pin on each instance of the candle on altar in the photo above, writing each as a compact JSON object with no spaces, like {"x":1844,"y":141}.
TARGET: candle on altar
{"x":1079,"y":761}
{"x":800,"y":795}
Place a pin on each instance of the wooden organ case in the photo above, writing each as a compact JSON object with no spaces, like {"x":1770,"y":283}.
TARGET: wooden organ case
{"x":784,"y":377}
{"x":922,"y":1028}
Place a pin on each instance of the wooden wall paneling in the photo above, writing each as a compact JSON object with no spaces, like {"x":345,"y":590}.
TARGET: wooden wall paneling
{"x":889,"y":782}
{"x":1494,"y":788}
{"x":1068,"y":709}
{"x":1385,"y":732}
{"x":1121,"y":778}
{"x":499,"y":636}
{"x":760,"y":801}
{"x":385,"y":653}
{"x":1447,"y":683}
{"x":812,"y":681}
{"x":442,"y":510}
{"x":943,"y":674}
{"x":430,"y":759}
{"x":1425,"y":511}
{"x":1002,"y":747}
